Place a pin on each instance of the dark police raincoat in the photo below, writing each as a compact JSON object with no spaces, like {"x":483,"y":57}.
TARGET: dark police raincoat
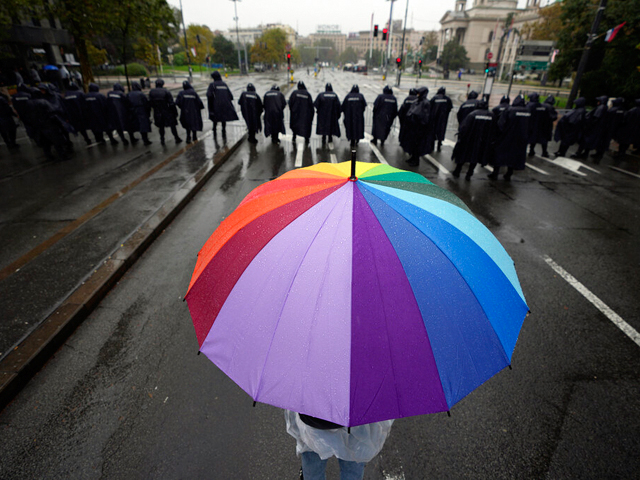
{"x":119,"y":108}
{"x":475,"y":137}
{"x":164,"y":108}
{"x":420,"y":137}
{"x":569,"y":127}
{"x":353,"y":109}
{"x":75,"y":107}
{"x":96,"y":110}
{"x":385,"y":110}
{"x":467,"y":107}
{"x":504,"y":104}
{"x":251,"y":108}
{"x":20,"y":101}
{"x":629,"y":133}
{"x":274,"y":104}
{"x":190,"y":106}
{"x":302,"y":111}
{"x":220,"y":100}
{"x":595,"y":128}
{"x":512,"y":135}
{"x":140,"y":109}
{"x":538,"y":112}
{"x":441,"y":106}
{"x":402,"y":116}
{"x":545,"y":132}
{"x":328,"y":106}
{"x":46,"y":122}
{"x":615,"y":119}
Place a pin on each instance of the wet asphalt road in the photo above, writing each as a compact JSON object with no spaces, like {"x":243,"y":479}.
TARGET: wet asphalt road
{"x":127,"y":396}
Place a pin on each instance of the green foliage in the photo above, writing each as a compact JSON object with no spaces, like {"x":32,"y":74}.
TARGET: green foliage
{"x":180,"y":59}
{"x":134,"y":70}
{"x":454,"y":56}
{"x":348,"y":56}
{"x":269,"y":47}
{"x":225,"y":52}
{"x":204,"y":48}
{"x":146,"y":52}
{"x":96,"y":56}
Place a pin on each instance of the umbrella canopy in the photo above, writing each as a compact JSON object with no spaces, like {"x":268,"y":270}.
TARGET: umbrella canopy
{"x":355,"y":300}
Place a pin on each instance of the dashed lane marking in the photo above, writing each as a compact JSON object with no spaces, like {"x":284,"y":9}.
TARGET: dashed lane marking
{"x":375,"y":150}
{"x":536,"y":169}
{"x":441,"y":168}
{"x":624,"y":171}
{"x":599,"y":304}
{"x":299,"y":152}
{"x":571,"y":165}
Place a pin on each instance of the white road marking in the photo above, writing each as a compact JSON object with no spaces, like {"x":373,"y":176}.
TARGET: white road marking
{"x":624,"y":171}
{"x":448,"y":142}
{"x":334,"y":159}
{"x":299,"y":152}
{"x":599,"y":304}
{"x":375,"y":150}
{"x":437,"y":164}
{"x":571,"y":165}
{"x":536,"y":169}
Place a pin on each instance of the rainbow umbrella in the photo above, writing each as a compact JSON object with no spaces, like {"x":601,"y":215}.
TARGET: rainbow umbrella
{"x":355,"y":299}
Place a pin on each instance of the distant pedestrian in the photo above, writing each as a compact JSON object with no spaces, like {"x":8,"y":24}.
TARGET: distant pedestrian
{"x":403,"y":137}
{"x":459,"y":75}
{"x":441,"y":106}
{"x":353,"y":107}
{"x":511,"y":139}
{"x":475,"y":138}
{"x":165,"y":112}
{"x":97,"y":114}
{"x":274,"y":105}
{"x":569,"y":127}
{"x":629,"y":132}
{"x":251,"y":108}
{"x":467,"y":107}
{"x":328,"y":108}
{"x":120,"y":113}
{"x":594,"y":132}
{"x":140,"y":112}
{"x":190,"y":115}
{"x":542,"y":116}
{"x":75,"y":106}
{"x":220,"y":103}
{"x":8,"y":127}
{"x":419,"y":140}
{"x":302,"y":112}
{"x":385,"y":110}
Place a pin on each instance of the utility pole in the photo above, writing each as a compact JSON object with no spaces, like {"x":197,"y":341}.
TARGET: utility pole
{"x":386,"y":63}
{"x":404,"y":31}
{"x":585,"y":53}
{"x":235,"y":7}
{"x":186,"y":45}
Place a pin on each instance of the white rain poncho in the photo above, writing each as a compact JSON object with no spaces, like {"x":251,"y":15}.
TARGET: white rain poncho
{"x":360,"y":445}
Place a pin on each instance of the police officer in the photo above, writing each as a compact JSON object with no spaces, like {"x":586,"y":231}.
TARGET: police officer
{"x":164,"y":110}
{"x":467,"y":107}
{"x":47,"y":125}
{"x":353,"y":107}
{"x":251,"y":108}
{"x":97,"y":114}
{"x":402,"y":116}
{"x":220,"y":103}
{"x":8,"y":126}
{"x":20,"y":101}
{"x":501,"y":107}
{"x":511,"y":139}
{"x":190,"y":106}
{"x":594,"y":135}
{"x":542,"y":117}
{"x":140,"y":111}
{"x":441,"y":106}
{"x":274,"y":105}
{"x":629,"y":132}
{"x":474,"y":140}
{"x":327,"y":105}
{"x":302,"y":112}
{"x":385,"y":110}
{"x":75,"y":106}
{"x":119,"y":113}
{"x":419,"y":139}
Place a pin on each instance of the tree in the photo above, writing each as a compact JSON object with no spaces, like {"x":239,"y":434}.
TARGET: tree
{"x":348,"y":56}
{"x":454,"y":56}
{"x":204,"y":47}
{"x":96,"y":56}
{"x":328,"y":53}
{"x":225,"y":52}
{"x":548,"y":26}
{"x":270,"y":47}
{"x":146,"y":52}
{"x":611,"y":68}
{"x":430,"y":41}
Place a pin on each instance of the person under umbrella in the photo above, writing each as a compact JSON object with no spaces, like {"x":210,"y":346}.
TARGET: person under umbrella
{"x":8,"y":127}
{"x":419,"y":140}
{"x":542,"y":117}
{"x":190,"y":106}
{"x":75,"y":107}
{"x":385,"y":110}
{"x":97,"y":114}
{"x":327,"y":105}
{"x":302,"y":112}
{"x":569,"y":127}
{"x":474,"y":140}
{"x":467,"y":107}
{"x":164,"y":110}
{"x":20,"y":101}
{"x":403,"y":137}
{"x":441,"y":106}
{"x":274,"y":105}
{"x":251,"y":108}
{"x":594,"y":134}
{"x":140,"y":112}
{"x":220,"y":103}
{"x":629,"y":132}
{"x":353,"y":107}
{"x":511,"y":143}
{"x":119,"y":112}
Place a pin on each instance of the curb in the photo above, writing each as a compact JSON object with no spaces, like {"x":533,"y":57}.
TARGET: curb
{"x":26,"y":359}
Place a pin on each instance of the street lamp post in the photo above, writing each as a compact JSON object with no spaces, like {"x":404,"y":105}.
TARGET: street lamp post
{"x":186,"y":45}
{"x":235,"y":7}
{"x":386,"y":63}
{"x":404,"y":31}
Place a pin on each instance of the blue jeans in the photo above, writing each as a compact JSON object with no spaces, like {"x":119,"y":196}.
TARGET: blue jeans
{"x":313,"y":468}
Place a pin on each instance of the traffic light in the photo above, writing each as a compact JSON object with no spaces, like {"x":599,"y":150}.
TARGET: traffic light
{"x":384,"y":33}
{"x":420,"y":63}
{"x":375,"y":30}
{"x":486,"y":67}
{"x":398,"y":61}
{"x":288,"y":61}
